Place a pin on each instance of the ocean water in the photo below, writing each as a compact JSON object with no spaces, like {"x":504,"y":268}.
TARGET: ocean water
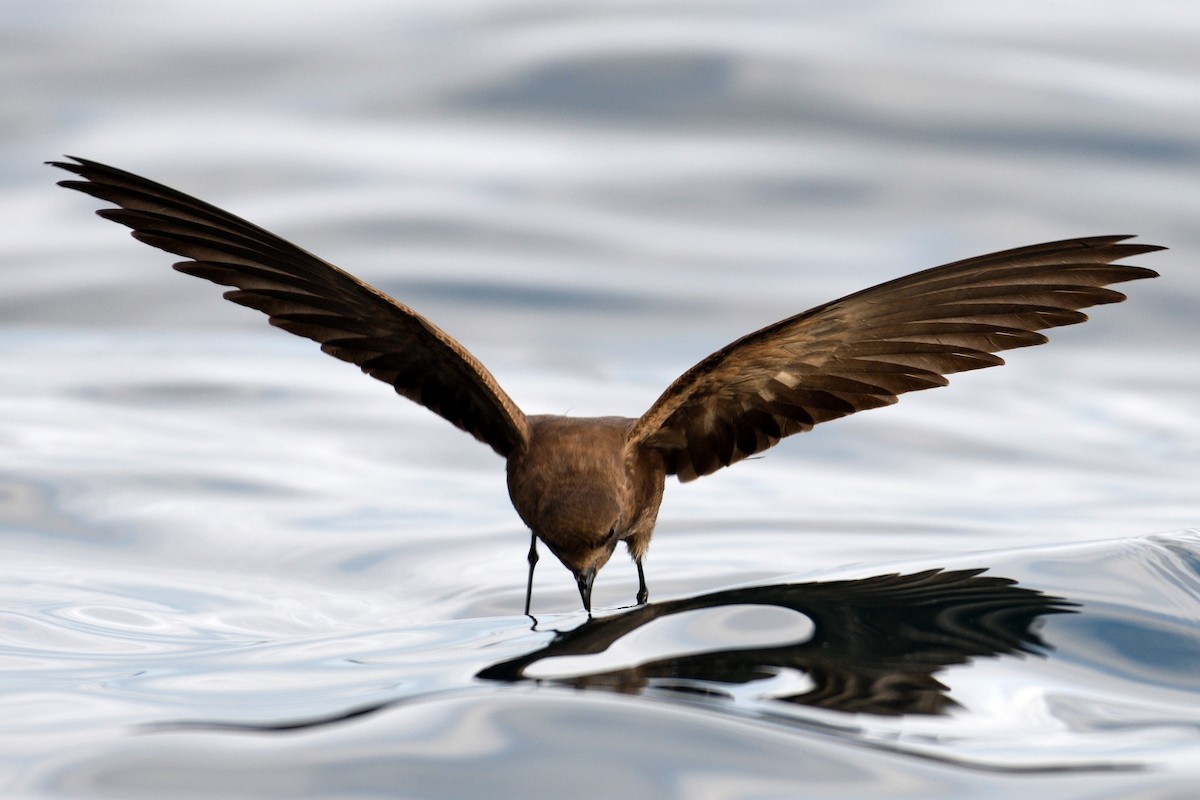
{"x":232,"y":566}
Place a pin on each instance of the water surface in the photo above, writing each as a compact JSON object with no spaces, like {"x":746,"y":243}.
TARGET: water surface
{"x":233,"y":566}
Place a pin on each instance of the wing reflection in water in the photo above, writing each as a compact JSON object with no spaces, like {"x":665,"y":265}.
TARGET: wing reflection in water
{"x":875,"y":644}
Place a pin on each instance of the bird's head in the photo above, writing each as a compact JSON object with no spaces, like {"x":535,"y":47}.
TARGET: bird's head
{"x":581,"y":526}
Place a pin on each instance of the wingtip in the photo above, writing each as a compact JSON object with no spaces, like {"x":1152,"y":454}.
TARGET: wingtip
{"x":1107,"y":240}
{"x":75,"y":167}
{"x":87,"y":168}
{"x":1120,"y":247}
{"x":1132,"y":248}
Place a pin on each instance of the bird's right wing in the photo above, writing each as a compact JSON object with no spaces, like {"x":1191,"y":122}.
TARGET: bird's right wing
{"x":311,"y":298}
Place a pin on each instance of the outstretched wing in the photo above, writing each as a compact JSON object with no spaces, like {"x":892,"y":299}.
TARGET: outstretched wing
{"x":311,"y":298}
{"x":862,"y":351}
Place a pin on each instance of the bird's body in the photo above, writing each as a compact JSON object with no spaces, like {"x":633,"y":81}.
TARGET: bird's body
{"x":604,"y":491}
{"x":583,"y":485}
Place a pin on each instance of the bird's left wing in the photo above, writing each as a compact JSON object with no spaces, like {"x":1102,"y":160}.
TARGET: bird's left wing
{"x":863,"y":350}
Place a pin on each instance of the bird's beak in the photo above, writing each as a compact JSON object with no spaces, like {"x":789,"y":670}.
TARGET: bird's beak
{"x":584,"y":580}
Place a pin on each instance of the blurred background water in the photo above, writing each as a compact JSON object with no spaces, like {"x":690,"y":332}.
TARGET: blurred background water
{"x":205,"y":520}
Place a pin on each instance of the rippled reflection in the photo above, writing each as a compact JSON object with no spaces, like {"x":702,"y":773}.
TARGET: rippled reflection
{"x":754,"y":686}
{"x":875,"y":645}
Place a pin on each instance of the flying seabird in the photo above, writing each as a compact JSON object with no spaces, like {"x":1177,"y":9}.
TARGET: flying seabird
{"x":583,"y":484}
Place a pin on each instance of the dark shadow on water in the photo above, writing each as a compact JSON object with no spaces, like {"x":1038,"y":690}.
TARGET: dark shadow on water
{"x":875,"y":647}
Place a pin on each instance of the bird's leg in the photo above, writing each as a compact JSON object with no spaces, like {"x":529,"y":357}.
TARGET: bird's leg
{"x":643,"y":593}
{"x":533,"y":559}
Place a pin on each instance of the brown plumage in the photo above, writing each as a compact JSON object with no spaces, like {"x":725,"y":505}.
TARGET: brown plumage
{"x":584,"y":484}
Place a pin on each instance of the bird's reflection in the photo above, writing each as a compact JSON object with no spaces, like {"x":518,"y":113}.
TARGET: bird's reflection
{"x":875,"y":647}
